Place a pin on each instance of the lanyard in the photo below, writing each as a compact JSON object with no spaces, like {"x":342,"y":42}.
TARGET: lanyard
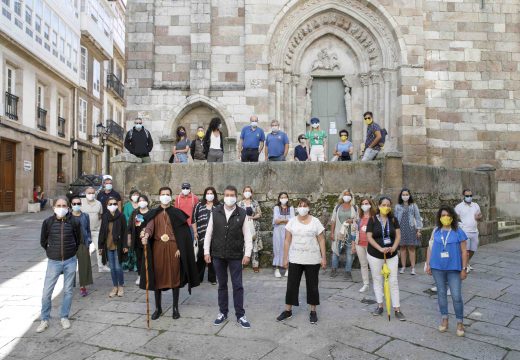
{"x":385,"y":229}
{"x":445,"y":240}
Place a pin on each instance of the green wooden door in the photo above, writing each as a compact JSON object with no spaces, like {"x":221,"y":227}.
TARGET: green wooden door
{"x":328,"y":104}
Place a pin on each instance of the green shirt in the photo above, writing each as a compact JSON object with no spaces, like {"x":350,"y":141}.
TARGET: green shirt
{"x":316,"y":137}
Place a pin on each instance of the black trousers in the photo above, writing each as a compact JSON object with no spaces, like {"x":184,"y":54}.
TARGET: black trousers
{"x":201,"y":265}
{"x":250,"y":155}
{"x":293,"y":283}
{"x":139,"y":255}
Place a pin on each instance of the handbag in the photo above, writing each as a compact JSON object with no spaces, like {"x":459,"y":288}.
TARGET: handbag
{"x":172,"y":159}
{"x":251,"y":226}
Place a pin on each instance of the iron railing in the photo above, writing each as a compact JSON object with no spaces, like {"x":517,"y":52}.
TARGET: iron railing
{"x":41,"y":119}
{"x":11,"y":106}
{"x":115,"y":130}
{"x":115,"y":84}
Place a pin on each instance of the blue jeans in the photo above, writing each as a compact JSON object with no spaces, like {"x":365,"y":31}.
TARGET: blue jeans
{"x":451,"y":278}
{"x":54,"y":270}
{"x":116,"y":271}
{"x":235,"y":269}
{"x":182,"y":157}
{"x":349,"y":259}
{"x":277,"y":158}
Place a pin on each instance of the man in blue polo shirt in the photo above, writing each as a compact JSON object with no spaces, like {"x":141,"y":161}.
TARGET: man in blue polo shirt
{"x":276,"y":143}
{"x":251,"y":141}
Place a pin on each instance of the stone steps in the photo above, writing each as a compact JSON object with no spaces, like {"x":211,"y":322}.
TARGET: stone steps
{"x":507,"y":232}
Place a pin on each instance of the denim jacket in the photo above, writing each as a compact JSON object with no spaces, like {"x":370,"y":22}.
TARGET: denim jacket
{"x":414,"y":216}
{"x":86,"y":237}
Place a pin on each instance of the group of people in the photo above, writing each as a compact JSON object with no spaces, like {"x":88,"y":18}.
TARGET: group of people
{"x":208,"y":145}
{"x":185,"y":235}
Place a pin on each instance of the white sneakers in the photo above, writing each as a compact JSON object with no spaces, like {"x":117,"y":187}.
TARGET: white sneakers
{"x":413,"y":271}
{"x":138,"y":280}
{"x":44,"y":325}
{"x":103,"y":268}
{"x":286,"y":273}
{"x":277,"y":273}
{"x":363,"y":289}
{"x":401,"y":271}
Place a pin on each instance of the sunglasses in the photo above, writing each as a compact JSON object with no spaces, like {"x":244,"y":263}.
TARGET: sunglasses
{"x":368,"y":118}
{"x":185,"y":188}
{"x":112,"y":204}
{"x":76,"y":203}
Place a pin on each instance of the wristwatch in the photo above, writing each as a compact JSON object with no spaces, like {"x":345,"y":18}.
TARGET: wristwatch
{"x":465,"y":269}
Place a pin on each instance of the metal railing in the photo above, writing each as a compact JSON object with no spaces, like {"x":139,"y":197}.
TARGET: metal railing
{"x":41,"y":119}
{"x":115,"y":130}
{"x":11,"y":106}
{"x":115,"y":84}
{"x":61,"y":127}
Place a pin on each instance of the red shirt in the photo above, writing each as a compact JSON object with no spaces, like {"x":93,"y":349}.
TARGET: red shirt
{"x":363,"y":241}
{"x":186,"y":204}
{"x":36,"y":196}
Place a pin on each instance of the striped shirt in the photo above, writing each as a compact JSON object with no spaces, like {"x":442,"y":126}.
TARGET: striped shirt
{"x":201,"y":216}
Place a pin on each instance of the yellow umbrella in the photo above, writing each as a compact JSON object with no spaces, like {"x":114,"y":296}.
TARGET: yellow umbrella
{"x":385,"y":271}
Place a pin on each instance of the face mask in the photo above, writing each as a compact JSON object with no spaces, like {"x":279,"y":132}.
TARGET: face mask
{"x":200,"y":134}
{"x":108,"y":187}
{"x":138,"y":126}
{"x":135,"y":198}
{"x":368,"y":121}
{"x":220,"y":126}
{"x":210,"y":197}
{"x":230,"y":200}
{"x":315,"y":125}
{"x":284,"y":201}
{"x":254,"y":124}
{"x":365,"y":207}
{"x":446,"y":220}
{"x":76,"y":208}
{"x":181,"y":133}
{"x":61,"y":212}
{"x":384,"y":210}
{"x":247,"y":194}
{"x":185,"y":192}
{"x":405,"y":197}
{"x":112,"y":208}
{"x":344,"y":138}
{"x":274,"y":129}
{"x":165,"y":199}
{"x":468,"y":199}
{"x":90,"y":197}
{"x":142,"y":204}
{"x":347,"y":198}
{"x":303,"y":211}
{"x":302,"y":141}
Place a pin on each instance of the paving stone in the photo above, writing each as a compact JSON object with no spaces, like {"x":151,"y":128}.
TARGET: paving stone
{"x":500,"y":335}
{"x":339,"y":351}
{"x":122,"y":338}
{"x":286,"y":353}
{"x":494,"y":317}
{"x":398,"y":349}
{"x":513,"y":355}
{"x":36,"y":348}
{"x":306,"y":339}
{"x":106,"y":317}
{"x":499,"y":306}
{"x":515,"y":324}
{"x":115,"y":355}
{"x":351,"y":335}
{"x":73,"y":351}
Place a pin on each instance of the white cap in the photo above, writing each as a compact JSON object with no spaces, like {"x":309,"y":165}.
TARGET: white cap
{"x":107,"y":177}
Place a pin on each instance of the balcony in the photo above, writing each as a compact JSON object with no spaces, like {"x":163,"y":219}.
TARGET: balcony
{"x":114,"y":84}
{"x":41,"y":119}
{"x":61,"y":127}
{"x":115,"y":130}
{"x":96,"y":25}
{"x":11,"y":106}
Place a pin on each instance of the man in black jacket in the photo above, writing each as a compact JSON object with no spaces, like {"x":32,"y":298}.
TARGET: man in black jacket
{"x":228,"y":244}
{"x":138,"y":141}
{"x":60,"y":237}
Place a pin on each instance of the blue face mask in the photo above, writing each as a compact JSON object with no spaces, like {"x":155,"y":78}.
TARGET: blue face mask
{"x":76,"y":208}
{"x":138,"y":126}
{"x":468,"y":199}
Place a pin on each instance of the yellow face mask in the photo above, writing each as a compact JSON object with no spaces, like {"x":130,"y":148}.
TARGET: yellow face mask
{"x":384,"y":210}
{"x":344,"y":138}
{"x":446,"y":220}
{"x":200,"y":134}
{"x":368,"y":121}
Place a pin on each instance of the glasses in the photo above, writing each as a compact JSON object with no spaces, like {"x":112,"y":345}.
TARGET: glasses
{"x":76,"y":203}
{"x":112,"y":204}
{"x":185,"y":188}
{"x":368,"y":118}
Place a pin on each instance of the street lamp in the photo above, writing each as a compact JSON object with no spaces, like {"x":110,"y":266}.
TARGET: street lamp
{"x":102,"y":132}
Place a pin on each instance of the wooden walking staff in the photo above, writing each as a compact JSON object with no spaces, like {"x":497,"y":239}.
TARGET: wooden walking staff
{"x":145,"y":247}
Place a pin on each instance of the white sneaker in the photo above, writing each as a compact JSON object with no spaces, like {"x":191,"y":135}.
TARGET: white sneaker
{"x":138,"y":280}
{"x":286,"y":273}
{"x":103,"y":268}
{"x":470,"y":268}
{"x":44,"y":325}
{"x":363,"y":289}
{"x":413,"y":271}
{"x":65,"y":323}
{"x":402,"y":270}
{"x":434,"y":289}
{"x":277,"y":273}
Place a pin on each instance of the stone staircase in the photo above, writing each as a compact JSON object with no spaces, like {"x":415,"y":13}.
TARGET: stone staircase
{"x":508,"y":229}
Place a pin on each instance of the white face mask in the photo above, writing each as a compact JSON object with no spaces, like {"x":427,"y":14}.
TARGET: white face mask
{"x":185,"y":192}
{"x":302,"y":141}
{"x":365,"y":207}
{"x":142,"y":204}
{"x":284,"y":201}
{"x":138,"y":126}
{"x":112,"y":208}
{"x":405,"y":197}
{"x":347,"y":198}
{"x":61,"y":212}
{"x":135,"y":198}
{"x":108,"y":187}
{"x":303,"y":211}
{"x":315,"y":125}
{"x":90,"y":197}
{"x":247,"y":194}
{"x":254,"y":124}
{"x":76,"y":208}
{"x":230,"y":200}
{"x":274,"y":129}
{"x":165,"y":199}
{"x":210,"y":197}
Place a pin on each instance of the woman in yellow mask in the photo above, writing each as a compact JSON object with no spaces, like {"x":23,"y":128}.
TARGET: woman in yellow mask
{"x":384,"y":235}
{"x":344,"y":148}
{"x":447,"y":261}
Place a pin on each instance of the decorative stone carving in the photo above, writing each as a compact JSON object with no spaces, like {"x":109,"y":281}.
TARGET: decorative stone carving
{"x":308,"y":99}
{"x":364,"y":79}
{"x":325,"y":61}
{"x":348,"y":100}
{"x":255,"y":83}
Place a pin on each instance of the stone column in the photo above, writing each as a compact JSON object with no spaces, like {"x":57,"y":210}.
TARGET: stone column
{"x":376,"y":103}
{"x":278,"y":97}
{"x":488,"y":227}
{"x":295,"y":80}
{"x":364,"y":80}
{"x":387,"y":78}
{"x":200,"y":71}
{"x":286,"y":100}
{"x":391,"y":173}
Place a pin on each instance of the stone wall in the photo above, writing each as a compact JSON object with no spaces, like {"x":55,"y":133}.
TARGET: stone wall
{"x":321,"y":183}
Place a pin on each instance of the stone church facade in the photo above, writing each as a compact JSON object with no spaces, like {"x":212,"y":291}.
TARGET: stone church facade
{"x":443,"y":77}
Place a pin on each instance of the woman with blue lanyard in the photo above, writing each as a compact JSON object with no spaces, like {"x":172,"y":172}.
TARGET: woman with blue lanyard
{"x":447,"y":261}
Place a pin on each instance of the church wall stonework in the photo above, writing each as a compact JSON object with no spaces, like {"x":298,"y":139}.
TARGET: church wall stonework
{"x":442,"y":77}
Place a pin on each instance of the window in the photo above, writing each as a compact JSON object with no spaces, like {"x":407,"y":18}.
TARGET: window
{"x":38,"y":24}
{"x":60,"y":174}
{"x":62,"y":49}
{"x":10,"y":81}
{"x":54,"y":38}
{"x":96,"y":78}
{"x":84,"y":64}
{"x":18,"y":7}
{"x":82,"y":126}
{"x":110,"y":111}
{"x":75,"y":60}
{"x":95,"y":119}
{"x":40,"y":96}
{"x":60,"y":106}
{"x":46,"y":30}
{"x":28,"y":14}
{"x":6,"y":9}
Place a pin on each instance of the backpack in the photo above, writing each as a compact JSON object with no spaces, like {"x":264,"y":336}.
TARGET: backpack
{"x":131,"y":133}
{"x":384,"y":134}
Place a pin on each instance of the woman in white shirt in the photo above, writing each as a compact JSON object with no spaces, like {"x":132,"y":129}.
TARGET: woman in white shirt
{"x":304,"y":252}
{"x":213,"y":142}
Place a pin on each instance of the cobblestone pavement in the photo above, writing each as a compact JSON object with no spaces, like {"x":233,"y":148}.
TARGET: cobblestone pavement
{"x":104,"y":328}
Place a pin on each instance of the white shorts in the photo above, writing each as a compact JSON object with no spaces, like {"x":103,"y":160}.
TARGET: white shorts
{"x":472,"y":241}
{"x":317,"y":153}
